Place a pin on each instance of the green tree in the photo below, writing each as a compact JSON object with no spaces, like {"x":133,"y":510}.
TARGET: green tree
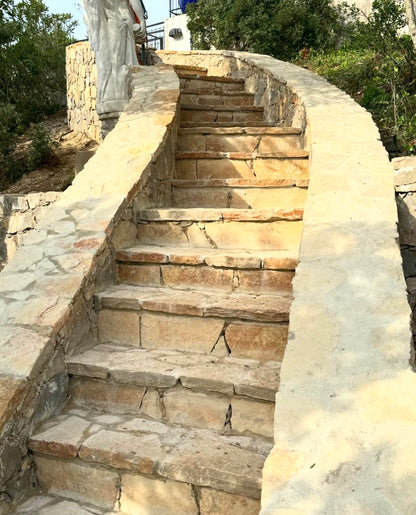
{"x":32,"y":74}
{"x":280,"y":28}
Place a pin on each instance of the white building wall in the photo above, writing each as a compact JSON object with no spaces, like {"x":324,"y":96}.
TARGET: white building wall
{"x":183,"y":42}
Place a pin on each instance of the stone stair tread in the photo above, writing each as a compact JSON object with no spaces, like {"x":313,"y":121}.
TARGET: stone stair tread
{"x":253,"y":123}
{"x":267,"y":259}
{"x":207,"y":91}
{"x":294,"y":153}
{"x":238,"y":182}
{"x":241,"y":130}
{"x":220,"y":214}
{"x":50,"y":504}
{"x":204,"y":107}
{"x":138,"y":445}
{"x":244,"y":306}
{"x":189,"y":68}
{"x":214,"y":78}
{"x":162,"y":368}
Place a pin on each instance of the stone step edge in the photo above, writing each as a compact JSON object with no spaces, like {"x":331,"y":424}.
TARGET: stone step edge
{"x":188,"y":67}
{"x":235,"y":306}
{"x":236,"y":183}
{"x":220,"y":215}
{"x":214,"y":92}
{"x":149,"y":457}
{"x":222,"y":108}
{"x":276,"y":260}
{"x":151,"y":374}
{"x":241,"y":131}
{"x":243,"y":156}
{"x":253,"y":123}
{"x":213,"y":78}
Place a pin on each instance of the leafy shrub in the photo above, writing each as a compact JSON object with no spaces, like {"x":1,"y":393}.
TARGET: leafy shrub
{"x":40,"y":150}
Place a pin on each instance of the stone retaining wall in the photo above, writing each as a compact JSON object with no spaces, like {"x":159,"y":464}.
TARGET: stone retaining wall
{"x":47,"y":289}
{"x":18,"y":216}
{"x":345,"y":414}
{"x":81,"y":74}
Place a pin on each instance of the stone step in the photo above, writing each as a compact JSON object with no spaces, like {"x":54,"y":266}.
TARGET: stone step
{"x":212,"y":83}
{"x":191,"y":125}
{"x":291,"y":164}
{"x":220,"y":193}
{"x":184,"y":70}
{"x":205,"y":278}
{"x":263,"y":140}
{"x":262,"y":341}
{"x":206,"y":269}
{"x":135,"y":465}
{"x":235,"y":258}
{"x":220,"y":215}
{"x":240,"y":306}
{"x":267,"y":229}
{"x":229,"y":395}
{"x":220,"y":113}
{"x":209,"y":97}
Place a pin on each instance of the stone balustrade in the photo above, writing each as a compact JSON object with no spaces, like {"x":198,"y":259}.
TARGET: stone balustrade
{"x":345,"y":414}
{"x":46,"y":290}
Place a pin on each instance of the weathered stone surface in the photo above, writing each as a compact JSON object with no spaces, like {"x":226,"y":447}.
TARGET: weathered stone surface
{"x":11,"y":393}
{"x":155,"y":496}
{"x":216,"y":464}
{"x":215,"y":502}
{"x":264,"y":281}
{"x":199,"y":278}
{"x":166,"y":368}
{"x":253,"y":417}
{"x":172,"y":332}
{"x":196,"y":409}
{"x":61,"y":440}
{"x":123,"y":450}
{"x":119,"y":327}
{"x":104,"y":395}
{"x":264,"y":308}
{"x":257,"y":341}
{"x":78,"y":481}
{"x":146,"y":275}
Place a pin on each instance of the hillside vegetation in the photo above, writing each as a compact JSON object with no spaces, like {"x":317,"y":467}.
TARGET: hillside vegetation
{"x":369,"y":58}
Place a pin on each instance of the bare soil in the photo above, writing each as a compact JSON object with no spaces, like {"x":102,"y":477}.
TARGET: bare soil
{"x":58,"y":174}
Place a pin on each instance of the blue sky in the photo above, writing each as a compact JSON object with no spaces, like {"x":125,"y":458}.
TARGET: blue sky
{"x":158,"y":10}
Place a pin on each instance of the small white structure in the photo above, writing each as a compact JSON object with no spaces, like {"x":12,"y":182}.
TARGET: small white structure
{"x":177,"y":35}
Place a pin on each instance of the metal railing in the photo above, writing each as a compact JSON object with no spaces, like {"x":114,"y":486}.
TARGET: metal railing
{"x":156,"y":36}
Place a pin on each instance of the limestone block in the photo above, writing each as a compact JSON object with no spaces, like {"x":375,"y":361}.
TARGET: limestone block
{"x":105,"y":395}
{"x":257,"y":341}
{"x":119,"y":326}
{"x":123,"y":450}
{"x":162,"y":234}
{"x":231,"y":143}
{"x":265,"y":281}
{"x":145,"y":275}
{"x":281,"y":168}
{"x":196,"y":409}
{"x":154,"y":497}
{"x":78,"y":481}
{"x":200,"y":197}
{"x":223,"y":169}
{"x":20,"y":222}
{"x":215,"y":502}
{"x":189,"y":277}
{"x":252,"y":417}
{"x":179,"y":332}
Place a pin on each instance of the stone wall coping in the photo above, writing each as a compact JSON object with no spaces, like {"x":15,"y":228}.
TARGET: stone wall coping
{"x":57,"y":266}
{"x":346,"y":412}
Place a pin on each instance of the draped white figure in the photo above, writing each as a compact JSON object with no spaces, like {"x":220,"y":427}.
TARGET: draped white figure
{"x":114,"y":27}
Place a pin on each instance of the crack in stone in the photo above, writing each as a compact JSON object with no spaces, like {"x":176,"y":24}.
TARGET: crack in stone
{"x":204,"y":232}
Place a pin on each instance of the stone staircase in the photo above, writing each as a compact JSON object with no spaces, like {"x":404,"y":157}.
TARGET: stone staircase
{"x":172,"y":412}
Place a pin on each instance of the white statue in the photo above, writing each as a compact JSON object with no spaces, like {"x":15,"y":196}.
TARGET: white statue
{"x":114,"y":27}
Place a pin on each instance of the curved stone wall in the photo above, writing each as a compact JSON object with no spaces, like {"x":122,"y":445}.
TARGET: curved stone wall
{"x":46,"y":290}
{"x":345,"y":413}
